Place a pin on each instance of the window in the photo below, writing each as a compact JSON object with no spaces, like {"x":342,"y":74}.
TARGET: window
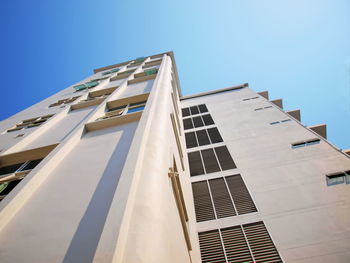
{"x":180,"y":203}
{"x":227,"y":196}
{"x":87,"y":85}
{"x":64,"y":101}
{"x":267,"y":107}
{"x":122,"y":75}
{"x":30,"y":123}
{"x":338,"y":178}
{"x":110,"y":71}
{"x":253,"y":98}
{"x":305,"y":143}
{"x":152,"y":63}
{"x":198,"y":121}
{"x":242,"y":243}
{"x":280,"y":122}
{"x":214,"y":160}
{"x":123,"y":110}
{"x":145,"y":75}
{"x":11,"y":175}
{"x":193,"y":110}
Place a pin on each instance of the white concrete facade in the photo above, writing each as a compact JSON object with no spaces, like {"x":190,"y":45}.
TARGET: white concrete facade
{"x":114,"y":183}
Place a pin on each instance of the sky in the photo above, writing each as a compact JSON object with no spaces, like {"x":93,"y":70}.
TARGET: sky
{"x":297,"y":50}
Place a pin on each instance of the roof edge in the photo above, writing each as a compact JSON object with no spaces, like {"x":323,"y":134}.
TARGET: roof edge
{"x":214,"y":91}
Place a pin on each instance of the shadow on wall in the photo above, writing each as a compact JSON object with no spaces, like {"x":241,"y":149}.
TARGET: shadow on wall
{"x":85,"y":240}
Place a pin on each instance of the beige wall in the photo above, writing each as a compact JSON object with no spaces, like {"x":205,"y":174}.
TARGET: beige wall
{"x":104,"y":195}
{"x":308,"y":221}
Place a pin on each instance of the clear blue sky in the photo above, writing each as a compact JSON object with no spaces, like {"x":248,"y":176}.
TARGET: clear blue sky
{"x":298,"y":50}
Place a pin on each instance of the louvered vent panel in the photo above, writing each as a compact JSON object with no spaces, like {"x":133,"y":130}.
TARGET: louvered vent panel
{"x":202,"y":108}
{"x":195,"y":163}
{"x":197,"y":121}
{"x":261,"y":243}
{"x":203,"y":138}
{"x":202,"y":202}
{"x":221,"y":197}
{"x":236,"y":247}
{"x":188,"y":123}
{"x":211,"y":247}
{"x":210,"y":162}
{"x":240,"y":195}
{"x":215,"y":136}
{"x":225,"y":158}
{"x":208,"y":120}
{"x":185,"y":112}
{"x":191,"y":140}
{"x":194,"y":110}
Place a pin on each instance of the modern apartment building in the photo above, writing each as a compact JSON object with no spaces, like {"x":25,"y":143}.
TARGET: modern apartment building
{"x":121,"y":167}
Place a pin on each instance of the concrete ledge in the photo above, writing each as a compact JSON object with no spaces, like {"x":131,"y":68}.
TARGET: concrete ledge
{"x":264,"y":94}
{"x":295,"y":114}
{"x":140,"y":79}
{"x":347,"y":151}
{"x":320,"y":129}
{"x":85,"y":104}
{"x":113,"y":121}
{"x":214,"y":91}
{"x":26,"y":155}
{"x":127,"y":100}
{"x":100,"y":92}
{"x":278,"y":103}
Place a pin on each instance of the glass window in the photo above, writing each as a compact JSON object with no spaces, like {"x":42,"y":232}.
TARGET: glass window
{"x":335,"y":179}
{"x":135,"y":109}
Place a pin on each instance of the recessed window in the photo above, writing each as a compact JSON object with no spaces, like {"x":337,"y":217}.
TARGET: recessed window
{"x":305,"y":143}
{"x":87,"y":85}
{"x":338,"y":178}
{"x":110,"y":71}
{"x":30,"y":123}
{"x":123,"y":110}
{"x":136,"y":109}
{"x":64,"y":101}
{"x":11,"y":175}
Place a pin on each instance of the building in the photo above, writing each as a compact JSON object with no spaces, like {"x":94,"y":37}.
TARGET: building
{"x":121,"y":167}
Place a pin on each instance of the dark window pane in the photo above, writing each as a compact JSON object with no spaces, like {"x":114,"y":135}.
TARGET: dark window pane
{"x":202,"y":108}
{"x":8,"y":186}
{"x":214,"y":135}
{"x":211,"y":247}
{"x":198,"y":122}
{"x":188,"y":124}
{"x":185,"y":112}
{"x":225,"y":158}
{"x":208,"y":120}
{"x":203,"y":138}
{"x":221,"y":198}
{"x":194,"y":110}
{"x":195,"y":163}
{"x":202,"y":202}
{"x":190,"y":140}
{"x":210,"y":162}
{"x":31,"y":164}
{"x":10,"y":168}
{"x":240,"y":195}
